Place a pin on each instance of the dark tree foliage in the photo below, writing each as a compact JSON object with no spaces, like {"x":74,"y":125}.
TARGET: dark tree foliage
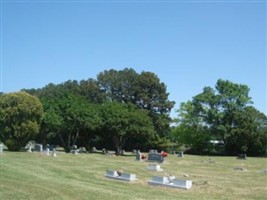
{"x":124,"y":121}
{"x":67,"y":105}
{"x":144,"y":90}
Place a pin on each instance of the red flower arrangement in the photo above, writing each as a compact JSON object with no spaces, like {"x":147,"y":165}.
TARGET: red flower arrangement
{"x":164,"y":154}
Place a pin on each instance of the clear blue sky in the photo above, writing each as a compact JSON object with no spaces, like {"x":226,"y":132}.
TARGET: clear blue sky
{"x":189,"y":45}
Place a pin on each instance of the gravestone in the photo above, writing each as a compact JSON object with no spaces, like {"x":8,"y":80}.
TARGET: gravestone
{"x":74,"y":149}
{"x":47,"y":151}
{"x":104,"y":151}
{"x":122,"y":152}
{"x":138,"y":155}
{"x":134,"y":151}
{"x":120,"y":176}
{"x":30,"y":148}
{"x":1,"y":148}
{"x":128,"y":177}
{"x":170,"y":182}
{"x":160,"y":180}
{"x":82,"y":150}
{"x":38,"y":147}
{"x":155,"y":157}
{"x":186,"y":184}
{"x":94,"y":150}
{"x":54,"y":152}
{"x":180,"y":154}
{"x":153,"y":151}
{"x":242,"y":156}
{"x":155,"y":167}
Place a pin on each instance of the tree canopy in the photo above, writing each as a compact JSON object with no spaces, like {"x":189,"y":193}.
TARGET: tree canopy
{"x":224,"y":114}
{"x":125,"y":109}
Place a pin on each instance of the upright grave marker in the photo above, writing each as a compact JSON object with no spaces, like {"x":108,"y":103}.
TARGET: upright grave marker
{"x":38,"y":147}
{"x":154,"y":156}
{"x":138,"y":155}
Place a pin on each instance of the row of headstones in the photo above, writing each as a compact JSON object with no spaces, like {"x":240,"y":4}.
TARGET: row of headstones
{"x":104,"y":151}
{"x":170,"y":181}
{"x":39,"y":148}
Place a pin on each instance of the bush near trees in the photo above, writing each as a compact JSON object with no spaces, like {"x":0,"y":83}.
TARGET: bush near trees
{"x":123,"y":109}
{"x":20,"y":117}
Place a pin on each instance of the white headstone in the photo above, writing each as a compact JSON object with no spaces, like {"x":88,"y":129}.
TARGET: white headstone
{"x":54,"y":153}
{"x":138,"y":155}
{"x":1,"y":148}
{"x":155,"y":167}
{"x":30,"y":148}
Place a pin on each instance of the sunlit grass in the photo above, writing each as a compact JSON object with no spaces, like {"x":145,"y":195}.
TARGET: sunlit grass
{"x":67,"y":176}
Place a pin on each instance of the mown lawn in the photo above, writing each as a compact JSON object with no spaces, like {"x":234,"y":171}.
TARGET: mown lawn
{"x":26,"y":175}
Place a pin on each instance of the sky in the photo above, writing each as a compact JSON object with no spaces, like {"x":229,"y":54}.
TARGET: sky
{"x":187,"y":44}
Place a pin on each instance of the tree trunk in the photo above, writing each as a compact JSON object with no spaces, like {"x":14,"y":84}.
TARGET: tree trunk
{"x":75,"y":138}
{"x":119,"y":141}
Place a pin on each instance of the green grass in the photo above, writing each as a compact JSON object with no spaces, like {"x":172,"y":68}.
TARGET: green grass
{"x":37,"y":176}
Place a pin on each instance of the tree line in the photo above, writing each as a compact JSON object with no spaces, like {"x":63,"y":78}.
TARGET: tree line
{"x":130,"y":110}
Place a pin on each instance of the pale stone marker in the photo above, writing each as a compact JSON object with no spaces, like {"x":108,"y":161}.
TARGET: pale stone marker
{"x":30,"y":148}
{"x":1,"y":148}
{"x":138,"y":155}
{"x":94,"y":150}
{"x":155,"y":167}
{"x":170,"y":182}
{"x":120,"y":176}
{"x":54,"y":153}
{"x":47,"y":151}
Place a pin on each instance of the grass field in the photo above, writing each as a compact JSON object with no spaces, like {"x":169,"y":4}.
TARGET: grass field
{"x":37,"y":176}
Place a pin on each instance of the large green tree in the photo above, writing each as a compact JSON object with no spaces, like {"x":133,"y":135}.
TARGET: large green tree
{"x":69,"y":117}
{"x":124,"y":121}
{"x":221,"y":113}
{"x":20,"y":116}
{"x":145,"y":90}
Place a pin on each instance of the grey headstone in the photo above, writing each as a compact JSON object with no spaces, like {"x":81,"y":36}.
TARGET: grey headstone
{"x":39,"y":147}
{"x":180,"y":154}
{"x":242,"y":156}
{"x":157,"y":157}
{"x":1,"y":148}
{"x":153,"y":151}
{"x":94,"y":150}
